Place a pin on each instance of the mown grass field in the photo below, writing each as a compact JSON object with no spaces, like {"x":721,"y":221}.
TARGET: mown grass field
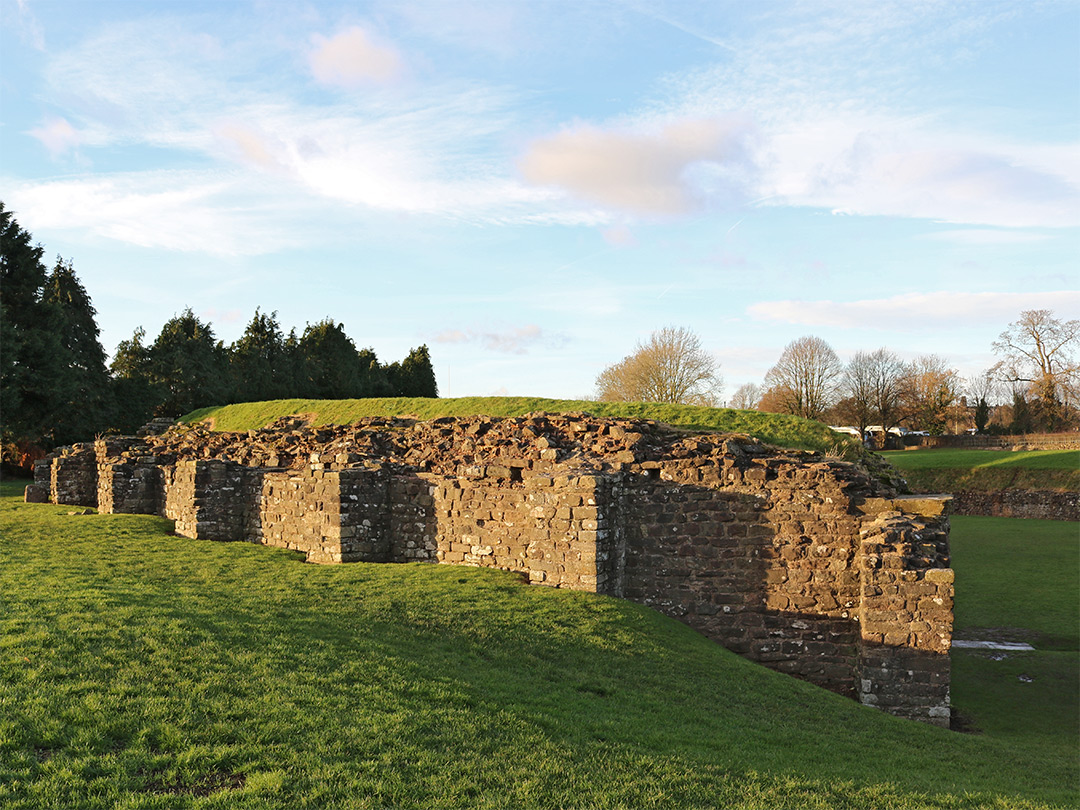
{"x":778,"y":429}
{"x":142,"y":670}
{"x":950,"y":470}
{"x":1018,"y":580}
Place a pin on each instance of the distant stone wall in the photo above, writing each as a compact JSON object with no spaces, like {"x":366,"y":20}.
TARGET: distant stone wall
{"x":1023,"y":441}
{"x":1019,"y":503}
{"x":811,"y":566}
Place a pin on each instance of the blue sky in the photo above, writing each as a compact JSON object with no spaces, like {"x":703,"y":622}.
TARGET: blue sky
{"x":530,"y":188}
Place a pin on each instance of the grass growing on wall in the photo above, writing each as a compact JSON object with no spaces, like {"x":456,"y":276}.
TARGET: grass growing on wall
{"x":146,"y":670}
{"x":952,"y":470}
{"x":779,"y":429}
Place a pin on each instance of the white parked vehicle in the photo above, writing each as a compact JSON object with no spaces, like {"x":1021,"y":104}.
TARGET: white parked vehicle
{"x":851,"y":431}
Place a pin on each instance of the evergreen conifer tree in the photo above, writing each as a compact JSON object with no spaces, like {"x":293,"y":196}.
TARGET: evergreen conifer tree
{"x":258,"y":361}
{"x":189,"y":364}
{"x":85,"y":403}
{"x":32,"y":362}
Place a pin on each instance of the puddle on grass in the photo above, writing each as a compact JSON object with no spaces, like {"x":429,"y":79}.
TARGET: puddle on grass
{"x":1002,"y":646}
{"x":995,"y":643}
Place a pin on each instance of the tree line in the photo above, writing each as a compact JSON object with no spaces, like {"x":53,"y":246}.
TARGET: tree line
{"x":56,"y":386}
{"x":1034,"y":386}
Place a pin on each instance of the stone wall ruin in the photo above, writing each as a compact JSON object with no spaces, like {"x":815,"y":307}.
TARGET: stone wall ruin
{"x":810,"y":565}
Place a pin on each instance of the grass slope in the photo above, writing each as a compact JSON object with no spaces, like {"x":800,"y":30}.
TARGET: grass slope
{"x":951,"y":470}
{"x":778,"y":429}
{"x":142,"y":670}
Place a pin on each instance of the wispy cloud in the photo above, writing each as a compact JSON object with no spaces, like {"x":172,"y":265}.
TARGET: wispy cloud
{"x":28,"y":26}
{"x":436,"y":149}
{"x":517,"y":340}
{"x":619,"y":236}
{"x":762,"y":124}
{"x":863,"y":131}
{"x":916,"y":311}
{"x":205,"y":212}
{"x":353,"y":58}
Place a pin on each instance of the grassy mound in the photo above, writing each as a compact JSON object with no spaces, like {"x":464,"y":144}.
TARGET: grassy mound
{"x":952,"y":470}
{"x":146,"y":670}
{"x":778,"y":429}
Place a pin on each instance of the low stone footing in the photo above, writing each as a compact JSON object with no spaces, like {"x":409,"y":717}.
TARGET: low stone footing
{"x":35,"y":493}
{"x":1019,"y":503}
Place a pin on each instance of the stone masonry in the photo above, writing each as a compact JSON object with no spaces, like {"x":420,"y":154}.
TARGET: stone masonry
{"x":809,"y":565}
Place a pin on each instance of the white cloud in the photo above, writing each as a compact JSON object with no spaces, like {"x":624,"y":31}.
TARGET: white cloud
{"x":911,"y":312}
{"x":218,"y":316}
{"x":642,"y":173}
{"x":910,"y":172}
{"x":353,"y":58}
{"x":57,"y":135}
{"x":513,"y":341}
{"x":445,"y":149}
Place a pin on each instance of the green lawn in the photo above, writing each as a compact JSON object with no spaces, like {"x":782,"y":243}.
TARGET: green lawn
{"x":142,"y":670}
{"x":948,"y":458}
{"x":1018,"y":573}
{"x":1019,"y":580}
{"x":949,"y":470}
{"x":779,"y":429}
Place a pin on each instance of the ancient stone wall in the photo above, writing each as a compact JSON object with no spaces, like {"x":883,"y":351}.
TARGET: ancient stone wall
{"x":811,"y":566}
{"x":205,"y":498}
{"x":73,"y":476}
{"x":413,"y":524}
{"x":1024,"y":441}
{"x":767,"y":559}
{"x":333,"y":516}
{"x":128,"y":482}
{"x":905,"y":612}
{"x":545,"y":527}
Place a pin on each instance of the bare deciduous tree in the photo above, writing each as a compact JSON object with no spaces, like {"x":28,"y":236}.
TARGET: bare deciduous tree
{"x":805,"y":377}
{"x":982,"y":392}
{"x":872,"y":382}
{"x":1038,"y":349}
{"x":746,"y":397}
{"x":983,"y":386}
{"x":671,"y":366}
{"x":929,"y":394}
